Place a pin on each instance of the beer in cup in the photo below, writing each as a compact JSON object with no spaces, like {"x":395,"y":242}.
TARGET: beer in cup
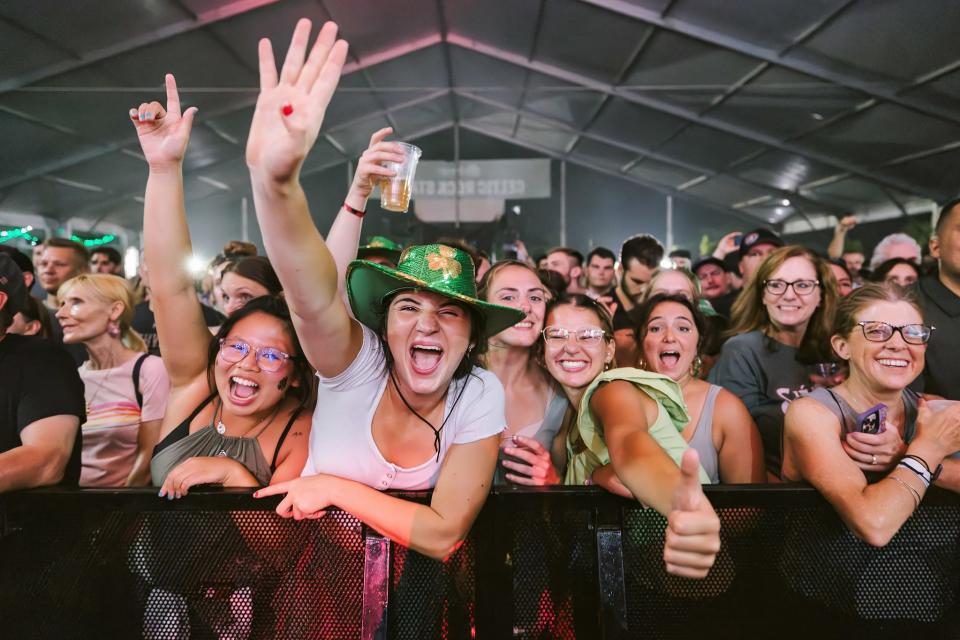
{"x":395,"y":191}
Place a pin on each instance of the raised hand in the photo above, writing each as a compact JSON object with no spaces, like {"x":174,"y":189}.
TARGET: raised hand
{"x":291,"y":107}
{"x":369,"y":168}
{"x":538,"y":470}
{"x":693,"y":528}
{"x":163,"y":133}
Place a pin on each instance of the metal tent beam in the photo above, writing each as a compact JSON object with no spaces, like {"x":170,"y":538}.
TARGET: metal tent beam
{"x":872,"y":89}
{"x":686,"y":114}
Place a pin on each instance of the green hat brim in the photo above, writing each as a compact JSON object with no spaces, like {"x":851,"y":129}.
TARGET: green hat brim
{"x":369,"y":282}
{"x":393,"y":255}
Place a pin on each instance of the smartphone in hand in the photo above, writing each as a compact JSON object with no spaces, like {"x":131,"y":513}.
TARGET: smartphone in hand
{"x":873,"y":419}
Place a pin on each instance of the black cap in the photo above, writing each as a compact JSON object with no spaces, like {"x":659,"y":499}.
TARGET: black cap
{"x":707,"y":260}
{"x":23,"y":261}
{"x":11,"y":283}
{"x":758,"y":236}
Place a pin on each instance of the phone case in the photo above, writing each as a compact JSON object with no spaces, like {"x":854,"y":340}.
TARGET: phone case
{"x":873,"y":419}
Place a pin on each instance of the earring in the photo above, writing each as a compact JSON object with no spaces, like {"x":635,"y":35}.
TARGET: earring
{"x":696,"y":367}
{"x":113,"y":329}
{"x":641,"y":364}
{"x":606,"y":365}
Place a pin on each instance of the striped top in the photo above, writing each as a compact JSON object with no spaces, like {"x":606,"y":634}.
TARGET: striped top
{"x":113,"y":418}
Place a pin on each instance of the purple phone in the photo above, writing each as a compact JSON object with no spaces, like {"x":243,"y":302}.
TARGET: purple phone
{"x":872,"y":420}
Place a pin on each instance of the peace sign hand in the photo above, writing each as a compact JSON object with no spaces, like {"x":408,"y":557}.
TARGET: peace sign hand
{"x":163,"y":133}
{"x":290,"y":108}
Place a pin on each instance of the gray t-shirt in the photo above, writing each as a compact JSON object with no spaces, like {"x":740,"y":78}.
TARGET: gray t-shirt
{"x":767,"y":377}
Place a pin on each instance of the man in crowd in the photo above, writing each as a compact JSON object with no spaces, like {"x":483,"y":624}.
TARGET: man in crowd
{"x":41,"y":400}
{"x":715,"y":284}
{"x":62,"y":259}
{"x":681,"y":258}
{"x":895,"y":245}
{"x":639,"y":257}
{"x":569,"y":264}
{"x":940,"y":298}
{"x":106,"y":260}
{"x":600,"y":272}
{"x":754,"y":248}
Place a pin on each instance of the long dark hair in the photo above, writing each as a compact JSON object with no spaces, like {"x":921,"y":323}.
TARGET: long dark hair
{"x":276,"y":306}
{"x":470,"y":359}
{"x":256,"y":268}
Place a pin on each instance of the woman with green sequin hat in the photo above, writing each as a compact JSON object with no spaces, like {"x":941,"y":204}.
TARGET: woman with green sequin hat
{"x":432,"y":267}
{"x":400,"y":402}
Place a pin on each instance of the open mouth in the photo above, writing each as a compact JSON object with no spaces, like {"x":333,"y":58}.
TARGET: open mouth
{"x":425,"y":358}
{"x":896,"y":363}
{"x":572,"y":366}
{"x":242,"y":389}
{"x":670,"y":358}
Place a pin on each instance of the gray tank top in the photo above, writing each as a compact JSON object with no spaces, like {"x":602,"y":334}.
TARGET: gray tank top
{"x":847,"y":416}
{"x":180,"y":445}
{"x":702,"y":438}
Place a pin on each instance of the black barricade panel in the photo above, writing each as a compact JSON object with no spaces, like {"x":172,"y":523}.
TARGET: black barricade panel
{"x":557,"y":564}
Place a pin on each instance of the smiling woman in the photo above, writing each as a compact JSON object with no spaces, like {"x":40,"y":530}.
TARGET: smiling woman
{"x":400,"y":403}
{"x":881,"y":334}
{"x":784,"y":317}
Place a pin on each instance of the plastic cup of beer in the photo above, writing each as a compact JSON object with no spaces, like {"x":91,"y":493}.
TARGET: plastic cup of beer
{"x":395,"y":191}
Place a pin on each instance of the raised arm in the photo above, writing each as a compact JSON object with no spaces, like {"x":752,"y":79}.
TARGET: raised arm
{"x":835,"y":248}
{"x":285,"y":126}
{"x":344,"y":236}
{"x":874,"y":512}
{"x":182,"y":332}
{"x":645,"y":469}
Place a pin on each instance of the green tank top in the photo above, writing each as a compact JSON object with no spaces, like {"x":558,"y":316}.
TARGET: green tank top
{"x":586,"y":448}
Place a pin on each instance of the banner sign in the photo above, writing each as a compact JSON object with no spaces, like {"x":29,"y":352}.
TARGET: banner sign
{"x":497,"y":179}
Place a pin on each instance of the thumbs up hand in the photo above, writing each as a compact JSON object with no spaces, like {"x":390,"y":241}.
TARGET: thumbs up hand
{"x":693,"y":528}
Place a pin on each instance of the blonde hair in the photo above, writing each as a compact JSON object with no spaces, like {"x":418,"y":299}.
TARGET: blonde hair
{"x":659,"y":272}
{"x":110,"y":289}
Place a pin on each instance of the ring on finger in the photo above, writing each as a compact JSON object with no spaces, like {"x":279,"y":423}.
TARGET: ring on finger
{"x":874,"y":462}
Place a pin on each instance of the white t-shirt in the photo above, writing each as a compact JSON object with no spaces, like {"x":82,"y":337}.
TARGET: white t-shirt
{"x":341,"y":439}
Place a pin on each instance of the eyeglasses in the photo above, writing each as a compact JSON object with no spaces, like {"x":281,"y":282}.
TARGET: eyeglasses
{"x":800,"y":287}
{"x":560,"y":335}
{"x":876,"y":331}
{"x":268,"y":358}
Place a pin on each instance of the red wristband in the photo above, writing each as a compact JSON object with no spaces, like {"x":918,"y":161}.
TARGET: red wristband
{"x":356,"y":212}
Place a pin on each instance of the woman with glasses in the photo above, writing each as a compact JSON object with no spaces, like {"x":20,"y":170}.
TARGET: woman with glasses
{"x":881,"y":334}
{"x":632,"y":420}
{"x":235,"y":416}
{"x":780,"y":327}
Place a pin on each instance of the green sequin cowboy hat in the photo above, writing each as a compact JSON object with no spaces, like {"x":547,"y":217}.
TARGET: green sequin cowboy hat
{"x":429,"y":267}
{"x":380,"y":246}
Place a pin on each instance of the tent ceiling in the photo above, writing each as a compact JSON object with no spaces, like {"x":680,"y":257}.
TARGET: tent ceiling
{"x":831,"y":104}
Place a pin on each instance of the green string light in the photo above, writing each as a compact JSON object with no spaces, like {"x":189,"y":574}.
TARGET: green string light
{"x":13,"y":233}
{"x":94,"y":242}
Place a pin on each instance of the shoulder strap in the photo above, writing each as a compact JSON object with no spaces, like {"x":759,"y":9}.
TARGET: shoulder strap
{"x":136,"y":379}
{"x":283,"y":436}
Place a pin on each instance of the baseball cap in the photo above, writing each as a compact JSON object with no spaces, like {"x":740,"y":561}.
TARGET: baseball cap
{"x":702,"y":260}
{"x":23,"y":261}
{"x":756,"y":237}
{"x":11,"y":283}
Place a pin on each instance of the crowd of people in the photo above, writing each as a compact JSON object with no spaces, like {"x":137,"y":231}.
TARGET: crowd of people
{"x":329,"y":371}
